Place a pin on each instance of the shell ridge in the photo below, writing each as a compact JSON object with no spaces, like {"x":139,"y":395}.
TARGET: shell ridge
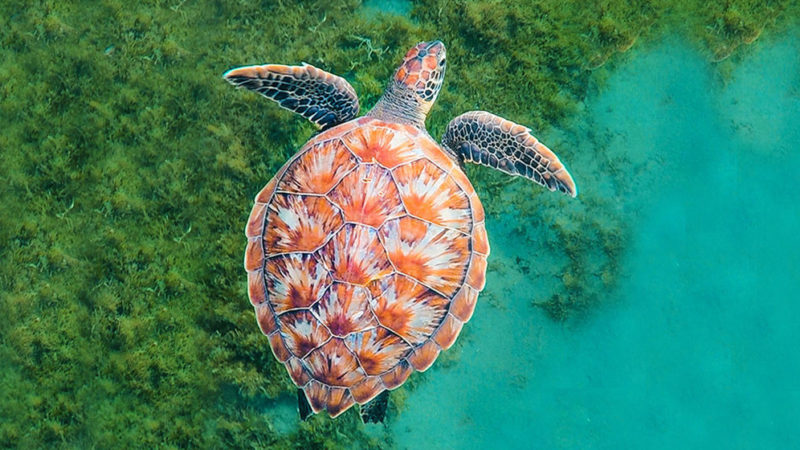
{"x":431,"y":240}
{"x":422,"y":219}
{"x":344,"y":175}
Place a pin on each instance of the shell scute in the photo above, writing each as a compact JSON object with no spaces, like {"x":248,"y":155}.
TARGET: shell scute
{"x":435,"y":154}
{"x":477,"y":208}
{"x":398,"y":375}
{"x":254,"y":255}
{"x":344,"y":309}
{"x":297,"y":372}
{"x":334,"y":365}
{"x":256,"y":287}
{"x":463,"y":304}
{"x":295,"y":280}
{"x":476,"y":277}
{"x":433,"y":255}
{"x":339,"y":400}
{"x":377,"y":349}
{"x":461,"y":180}
{"x":355,"y":255}
{"x":302,"y":332}
{"x":407,"y":307}
{"x":448,"y":332}
{"x":265,"y":195}
{"x":423,"y":356}
{"x":319,"y":169}
{"x":382,"y":145}
{"x":278,"y":346}
{"x":367,"y":389}
{"x":411,"y":131}
{"x":255,"y":225}
{"x":317,"y":395}
{"x":368,"y":195}
{"x":480,"y":242}
{"x":430,"y":194}
{"x":266,"y":319}
{"x":300,"y":223}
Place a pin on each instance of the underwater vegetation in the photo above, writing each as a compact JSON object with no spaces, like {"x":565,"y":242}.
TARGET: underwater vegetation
{"x":129,"y":168}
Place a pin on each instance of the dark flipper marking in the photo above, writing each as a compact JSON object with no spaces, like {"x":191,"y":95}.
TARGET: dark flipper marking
{"x":375,"y":410}
{"x":483,"y":138}
{"x":303,"y":407}
{"x":321,"y":97}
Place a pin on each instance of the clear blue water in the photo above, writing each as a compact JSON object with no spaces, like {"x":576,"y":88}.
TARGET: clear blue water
{"x":697,"y":347}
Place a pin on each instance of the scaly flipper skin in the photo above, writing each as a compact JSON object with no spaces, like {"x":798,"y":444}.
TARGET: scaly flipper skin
{"x":321,"y":97}
{"x":483,"y":138}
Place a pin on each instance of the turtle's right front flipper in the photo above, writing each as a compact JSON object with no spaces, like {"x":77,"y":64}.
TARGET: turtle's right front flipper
{"x":319,"y":96}
{"x":483,"y":138}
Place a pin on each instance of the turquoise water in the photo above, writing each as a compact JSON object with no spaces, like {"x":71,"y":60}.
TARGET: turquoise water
{"x":697,"y":347}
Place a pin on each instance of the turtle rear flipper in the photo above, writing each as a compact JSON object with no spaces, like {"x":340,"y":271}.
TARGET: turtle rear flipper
{"x":483,"y":138}
{"x":303,"y":407}
{"x":375,"y":410}
{"x":321,"y":97}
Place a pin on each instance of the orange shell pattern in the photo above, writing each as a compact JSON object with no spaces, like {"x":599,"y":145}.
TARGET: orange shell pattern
{"x":365,"y":257}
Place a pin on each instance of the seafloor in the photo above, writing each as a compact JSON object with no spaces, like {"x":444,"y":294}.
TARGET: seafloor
{"x":657,"y":310}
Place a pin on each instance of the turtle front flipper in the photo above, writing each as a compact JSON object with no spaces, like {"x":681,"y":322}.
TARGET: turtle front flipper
{"x":483,"y":138}
{"x":319,"y":96}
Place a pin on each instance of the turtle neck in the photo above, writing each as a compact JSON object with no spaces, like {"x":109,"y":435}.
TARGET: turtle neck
{"x":399,"y":104}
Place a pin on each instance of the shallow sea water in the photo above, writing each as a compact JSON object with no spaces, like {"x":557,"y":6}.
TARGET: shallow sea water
{"x":697,"y":347}
{"x":150,"y":339}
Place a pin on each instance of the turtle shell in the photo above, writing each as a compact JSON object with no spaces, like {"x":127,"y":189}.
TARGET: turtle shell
{"x":365,"y":256}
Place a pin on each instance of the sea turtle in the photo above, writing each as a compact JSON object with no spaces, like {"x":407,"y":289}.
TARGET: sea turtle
{"x":367,"y":250}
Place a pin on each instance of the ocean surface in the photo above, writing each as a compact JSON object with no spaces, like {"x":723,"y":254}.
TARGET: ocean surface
{"x":697,"y":346}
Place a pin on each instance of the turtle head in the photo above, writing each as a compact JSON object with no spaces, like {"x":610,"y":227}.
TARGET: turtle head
{"x":422,"y":71}
{"x":414,"y":87}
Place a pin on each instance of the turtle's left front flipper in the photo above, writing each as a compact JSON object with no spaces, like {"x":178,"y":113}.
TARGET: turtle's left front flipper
{"x":486,"y":139}
{"x":319,"y":96}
